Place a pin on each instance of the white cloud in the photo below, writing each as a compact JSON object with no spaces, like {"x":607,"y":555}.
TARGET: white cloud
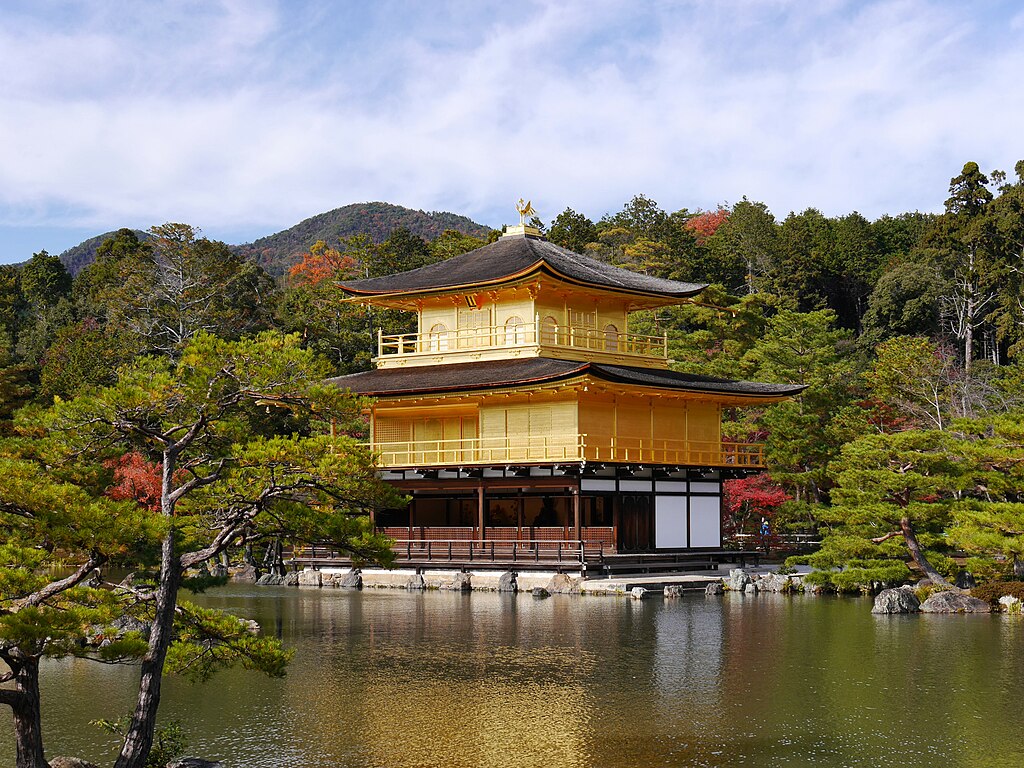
{"x":250,"y":117}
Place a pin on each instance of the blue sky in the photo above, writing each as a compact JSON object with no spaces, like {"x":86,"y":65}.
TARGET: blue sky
{"x":244,"y":117}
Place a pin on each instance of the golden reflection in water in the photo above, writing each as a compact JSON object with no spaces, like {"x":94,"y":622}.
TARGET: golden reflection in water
{"x":423,"y":701}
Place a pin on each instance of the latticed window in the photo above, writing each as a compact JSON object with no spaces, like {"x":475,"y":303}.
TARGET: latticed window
{"x":515,"y":331}
{"x":549,"y":330}
{"x":473,"y":328}
{"x":437,"y":339}
{"x":392,"y":431}
{"x":611,"y":338}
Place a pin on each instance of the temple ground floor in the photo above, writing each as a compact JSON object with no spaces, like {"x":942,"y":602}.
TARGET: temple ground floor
{"x":596,"y":520}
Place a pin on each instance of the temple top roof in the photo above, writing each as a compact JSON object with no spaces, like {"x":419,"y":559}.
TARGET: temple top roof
{"x":505,"y":373}
{"x":515,"y":256}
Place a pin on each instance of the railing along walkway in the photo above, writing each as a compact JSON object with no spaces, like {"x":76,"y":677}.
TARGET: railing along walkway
{"x":510,"y":336}
{"x":501,"y":450}
{"x":566,"y":551}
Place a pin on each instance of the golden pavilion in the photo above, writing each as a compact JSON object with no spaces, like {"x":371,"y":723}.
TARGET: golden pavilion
{"x":530,"y":428}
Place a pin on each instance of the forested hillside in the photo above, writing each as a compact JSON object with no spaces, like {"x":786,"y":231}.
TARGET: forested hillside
{"x":906,"y":447}
{"x":277,"y":252}
{"x":80,"y":256}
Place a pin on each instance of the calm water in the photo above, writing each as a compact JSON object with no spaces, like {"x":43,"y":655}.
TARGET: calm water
{"x":396,"y":679}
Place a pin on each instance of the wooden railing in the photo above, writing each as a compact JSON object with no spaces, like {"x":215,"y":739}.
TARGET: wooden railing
{"x":522,"y":335}
{"x":575,"y":551}
{"x":569,"y":448}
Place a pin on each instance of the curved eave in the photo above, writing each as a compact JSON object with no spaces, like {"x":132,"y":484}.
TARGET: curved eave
{"x":539,"y":266}
{"x":483,"y":378}
{"x":471,"y":388}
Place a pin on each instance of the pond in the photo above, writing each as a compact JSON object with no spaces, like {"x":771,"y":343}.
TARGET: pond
{"x":389,"y":678}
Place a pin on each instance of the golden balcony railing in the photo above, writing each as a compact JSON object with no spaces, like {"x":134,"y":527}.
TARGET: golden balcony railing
{"x":518,"y":335}
{"x":569,"y":448}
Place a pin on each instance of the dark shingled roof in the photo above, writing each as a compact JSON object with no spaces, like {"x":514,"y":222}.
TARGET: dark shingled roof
{"x":514,"y":254}
{"x":503,"y":373}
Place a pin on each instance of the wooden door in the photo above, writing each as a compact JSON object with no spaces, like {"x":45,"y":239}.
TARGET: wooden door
{"x":636,"y":524}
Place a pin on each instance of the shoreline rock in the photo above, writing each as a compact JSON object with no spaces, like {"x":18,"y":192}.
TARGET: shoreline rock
{"x":898,"y":600}
{"x":954,"y":602}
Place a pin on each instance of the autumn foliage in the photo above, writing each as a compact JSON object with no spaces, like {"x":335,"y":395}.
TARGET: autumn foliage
{"x":322,"y":263}
{"x":747,"y":500}
{"x":136,"y":479}
{"x":704,"y":225}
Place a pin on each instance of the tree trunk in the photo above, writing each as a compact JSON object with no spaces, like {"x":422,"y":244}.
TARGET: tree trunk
{"x":23,"y":700}
{"x":139,"y":740}
{"x":918,"y":555}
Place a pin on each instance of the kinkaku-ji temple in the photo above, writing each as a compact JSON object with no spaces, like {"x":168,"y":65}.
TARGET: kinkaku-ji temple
{"x":531,"y":430}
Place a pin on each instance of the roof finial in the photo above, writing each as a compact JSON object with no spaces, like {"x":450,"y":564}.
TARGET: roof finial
{"x":524,"y":209}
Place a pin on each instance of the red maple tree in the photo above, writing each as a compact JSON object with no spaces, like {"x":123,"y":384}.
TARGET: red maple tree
{"x":322,"y":263}
{"x":136,"y":479}
{"x":704,"y":225}
{"x":745,"y":502}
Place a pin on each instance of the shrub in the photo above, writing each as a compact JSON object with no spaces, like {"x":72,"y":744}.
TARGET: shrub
{"x":993,"y":590}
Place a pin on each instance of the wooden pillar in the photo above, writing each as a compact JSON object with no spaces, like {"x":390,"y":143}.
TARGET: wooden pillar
{"x":412,"y":506}
{"x":576,"y":512}
{"x":616,"y":520}
{"x":481,"y":509}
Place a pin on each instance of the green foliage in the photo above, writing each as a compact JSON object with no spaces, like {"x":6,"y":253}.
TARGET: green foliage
{"x":904,"y":302}
{"x":45,"y":281}
{"x":208,"y":640}
{"x":993,"y":590}
{"x":451,"y":242}
{"x":806,"y":434}
{"x":572,"y":230}
{"x":174,"y":285}
{"x":169,"y":741}
{"x":82,"y":356}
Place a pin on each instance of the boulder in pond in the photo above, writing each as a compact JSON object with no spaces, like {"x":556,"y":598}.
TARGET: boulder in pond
{"x":416,"y":583}
{"x":774,"y":582}
{"x":310,"y":578}
{"x":673,"y":590}
{"x":219,"y":571}
{"x":507,"y":582}
{"x":900,"y":600}
{"x":62,"y":761}
{"x":540,"y":592}
{"x":351,"y":579}
{"x":247,"y":574}
{"x":639,"y":593}
{"x":952,"y":601}
{"x":270,"y":580}
{"x":460,"y":582}
{"x":714,"y":588}
{"x":751,"y":588}
{"x":738,"y":580}
{"x":291,"y":579}
{"x":562,"y":584}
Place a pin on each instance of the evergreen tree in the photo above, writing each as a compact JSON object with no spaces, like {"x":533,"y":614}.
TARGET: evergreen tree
{"x":212,"y":423}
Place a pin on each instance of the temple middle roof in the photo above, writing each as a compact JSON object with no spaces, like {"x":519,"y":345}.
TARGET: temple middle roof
{"x":491,"y":374}
{"x":516,"y":256}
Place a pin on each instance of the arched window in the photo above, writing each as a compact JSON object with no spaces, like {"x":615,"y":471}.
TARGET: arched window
{"x":515,"y":331}
{"x":549,"y":330}
{"x":611,"y":338}
{"x":437,"y":339}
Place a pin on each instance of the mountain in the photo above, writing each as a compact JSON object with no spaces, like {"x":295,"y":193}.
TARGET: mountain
{"x":78,"y":257}
{"x":277,"y":252}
